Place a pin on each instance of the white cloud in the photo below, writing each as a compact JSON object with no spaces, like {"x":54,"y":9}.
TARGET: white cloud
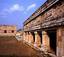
{"x":31,"y":6}
{"x":11,"y":9}
{"x":15,"y":7}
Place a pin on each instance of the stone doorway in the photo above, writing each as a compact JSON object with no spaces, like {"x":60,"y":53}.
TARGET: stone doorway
{"x":33,"y":37}
{"x":40,"y":34}
{"x":52,"y":37}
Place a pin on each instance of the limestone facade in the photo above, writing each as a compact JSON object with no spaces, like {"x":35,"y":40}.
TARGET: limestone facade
{"x":45,"y":27}
{"x":7,"y":30}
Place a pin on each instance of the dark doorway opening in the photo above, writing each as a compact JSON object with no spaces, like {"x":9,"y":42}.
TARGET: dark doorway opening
{"x":5,"y":31}
{"x":40,"y":34}
{"x":52,"y":36}
{"x":33,"y":36}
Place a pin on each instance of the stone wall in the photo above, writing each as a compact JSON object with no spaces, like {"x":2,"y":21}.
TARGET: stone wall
{"x":6,"y":30}
{"x":53,"y":13}
{"x":47,"y":29}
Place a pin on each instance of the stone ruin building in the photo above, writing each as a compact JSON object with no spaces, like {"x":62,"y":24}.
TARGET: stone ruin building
{"x":7,"y":30}
{"x":45,"y":27}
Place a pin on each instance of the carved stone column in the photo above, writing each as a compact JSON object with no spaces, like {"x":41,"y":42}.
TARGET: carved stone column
{"x":24,"y":36}
{"x":60,"y":42}
{"x":30,"y":38}
{"x":37,"y":40}
{"x":45,"y":41}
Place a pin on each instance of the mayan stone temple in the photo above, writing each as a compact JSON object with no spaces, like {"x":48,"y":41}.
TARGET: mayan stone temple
{"x":7,"y":30}
{"x":44,"y":29}
{"x":42,"y":34}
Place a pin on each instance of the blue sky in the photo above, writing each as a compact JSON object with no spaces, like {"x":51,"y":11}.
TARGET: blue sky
{"x":15,"y":12}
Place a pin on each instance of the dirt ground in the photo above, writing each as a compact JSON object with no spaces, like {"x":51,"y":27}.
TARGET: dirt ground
{"x":10,"y":47}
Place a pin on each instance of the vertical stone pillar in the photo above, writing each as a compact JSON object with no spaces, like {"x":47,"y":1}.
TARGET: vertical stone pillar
{"x":63,"y":42}
{"x":30,"y":38}
{"x":24,"y":36}
{"x":60,"y":42}
{"x":27,"y":37}
{"x":37,"y":40}
{"x":45,"y":41}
